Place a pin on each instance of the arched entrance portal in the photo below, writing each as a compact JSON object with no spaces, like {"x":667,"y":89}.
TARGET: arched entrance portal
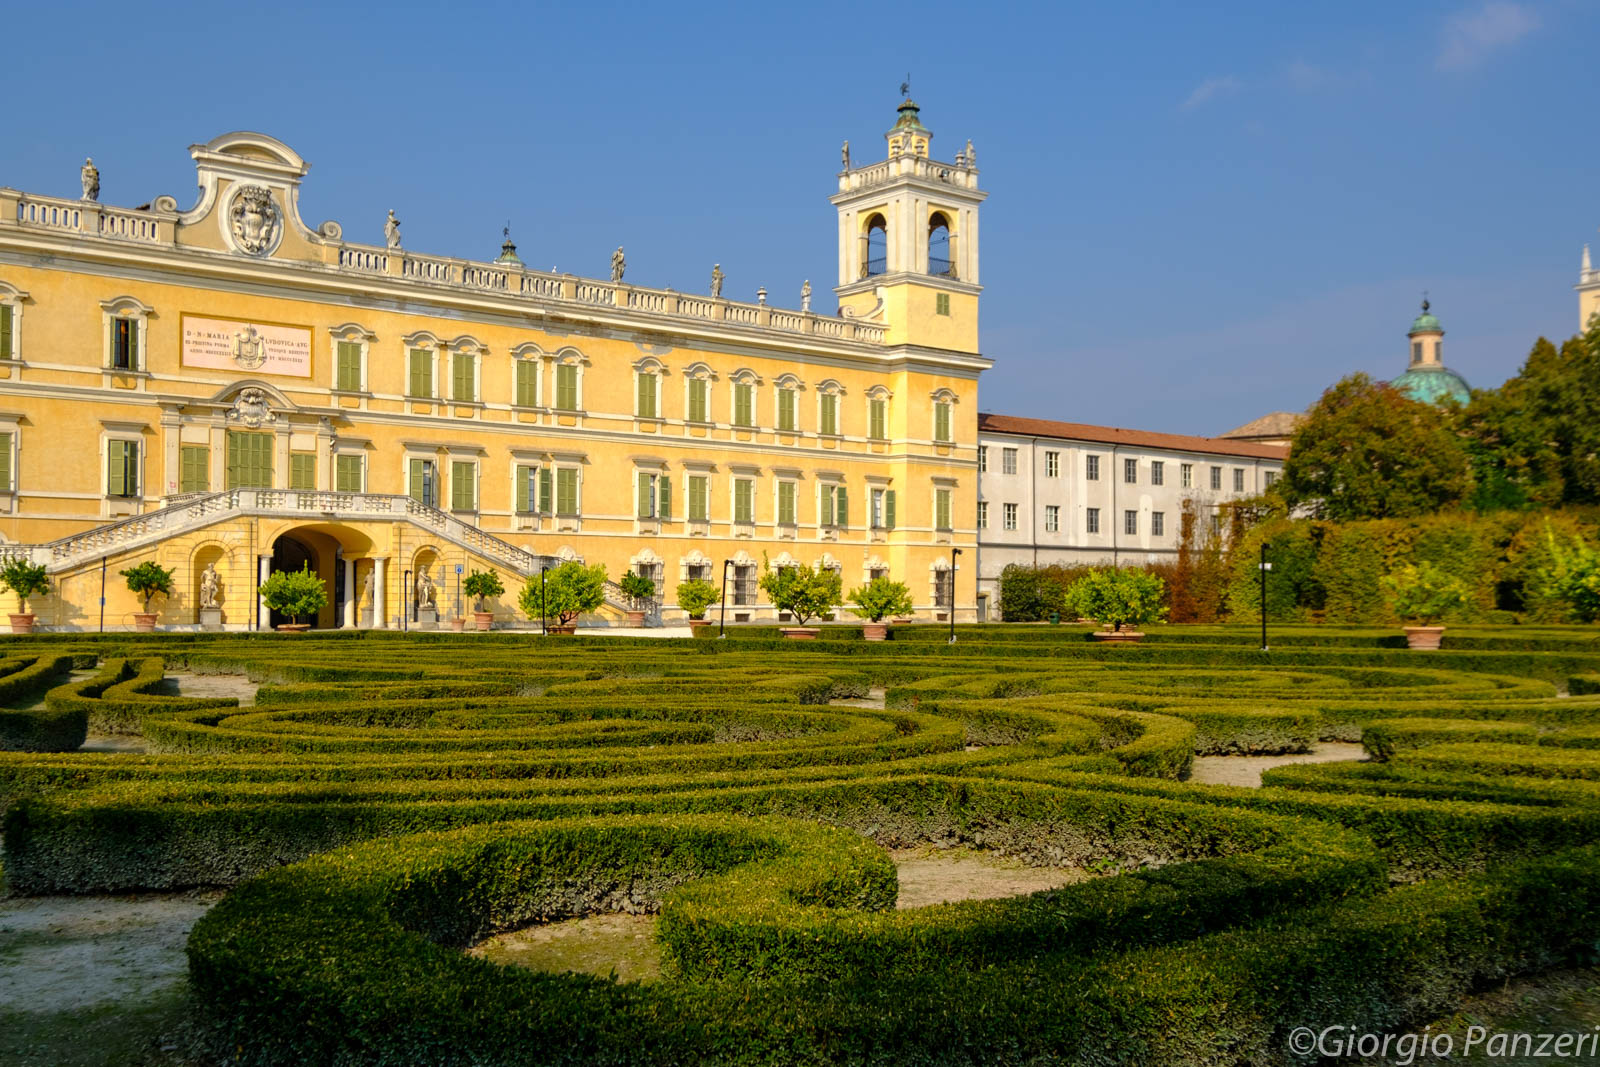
{"x":291,"y":554}
{"x":334,"y":553}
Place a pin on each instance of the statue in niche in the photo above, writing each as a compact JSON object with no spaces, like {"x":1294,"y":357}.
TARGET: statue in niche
{"x":210,"y":587}
{"x":619,"y":263}
{"x":716,"y":280}
{"x":365,"y":598}
{"x":427,"y":593}
{"x":90,"y":175}
{"x":391,"y":231}
{"x":805,"y":296}
{"x":844,"y":155}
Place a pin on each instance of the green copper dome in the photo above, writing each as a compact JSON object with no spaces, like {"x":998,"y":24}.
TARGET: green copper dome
{"x":1426,"y":322}
{"x":1431,"y":385}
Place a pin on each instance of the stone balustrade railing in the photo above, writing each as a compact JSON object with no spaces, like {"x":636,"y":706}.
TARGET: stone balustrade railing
{"x":961,"y":177}
{"x":158,"y":226}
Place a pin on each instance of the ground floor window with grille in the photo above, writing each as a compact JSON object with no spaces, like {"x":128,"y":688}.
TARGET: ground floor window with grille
{"x":651,"y":571}
{"x":698,"y":572}
{"x":874,"y":573}
{"x":944,"y":589}
{"x":744,"y":584}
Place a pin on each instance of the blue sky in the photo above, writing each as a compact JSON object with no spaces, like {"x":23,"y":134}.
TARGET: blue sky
{"x":1197,"y":213}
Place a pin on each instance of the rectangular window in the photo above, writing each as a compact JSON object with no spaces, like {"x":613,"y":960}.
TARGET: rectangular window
{"x":941,"y":509}
{"x":1416,"y":351}
{"x":419,"y":382}
{"x":878,"y":420}
{"x":744,"y":404}
{"x":1216,"y":524}
{"x":648,"y":493}
{"x":744,"y":584}
{"x":347,"y":368}
{"x":249,"y":460}
{"x":463,"y":486}
{"x":421,"y":482}
{"x":647,"y":395}
{"x":786,"y":410}
{"x":786,"y":498}
{"x":527,"y":383}
{"x":1010,"y":516}
{"x":829,"y":415}
{"x":882,"y":505}
{"x":941,"y":422}
{"x":941,"y":303}
{"x":1052,"y":518}
{"x":699,"y":498}
{"x":1092,"y":520}
{"x":194,"y":468}
{"x":1271,"y":478}
{"x":983,"y":514}
{"x":526,"y":487}
{"x":1186,"y":475}
{"x":122,"y":468}
{"x":1158,"y":523}
{"x":125,"y":344}
{"x":1130,"y":522}
{"x":6,"y":344}
{"x":744,"y":500}
{"x":348,"y":474}
{"x":1052,"y":464}
{"x":567,"y":387}
{"x":1008,"y":461}
{"x":1216,"y":477}
{"x":983,"y":458}
{"x":1158,"y":472}
{"x":302,"y":470}
{"x":7,"y":449}
{"x":463,"y":377}
{"x":1238,"y":479}
{"x":835,"y":506}
{"x":697,"y":400}
{"x":1091,"y":468}
{"x":567,"y":491}
{"x":1130,"y":471}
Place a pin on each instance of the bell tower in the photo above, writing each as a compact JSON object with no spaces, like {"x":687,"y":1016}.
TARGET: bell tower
{"x":908,"y":240}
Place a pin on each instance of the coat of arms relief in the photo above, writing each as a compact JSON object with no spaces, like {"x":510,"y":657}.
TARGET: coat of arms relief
{"x":254,"y":220}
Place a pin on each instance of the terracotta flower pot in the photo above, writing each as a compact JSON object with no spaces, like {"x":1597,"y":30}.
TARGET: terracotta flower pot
{"x":799,"y":633}
{"x":144,"y":622}
{"x":635,"y":618}
{"x":1424,"y":638}
{"x":875,"y":631}
{"x":696,"y":625}
{"x":292,"y":627}
{"x":22,"y":624}
{"x":1121,"y":635}
{"x":483,"y":620}
{"x":563,"y":629}
{"x":458,"y":624}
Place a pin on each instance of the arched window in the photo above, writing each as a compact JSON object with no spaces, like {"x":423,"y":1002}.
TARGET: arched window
{"x":939,"y":245}
{"x":877,"y":261}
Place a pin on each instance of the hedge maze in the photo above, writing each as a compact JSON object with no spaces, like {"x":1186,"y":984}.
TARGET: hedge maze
{"x":389,"y":801}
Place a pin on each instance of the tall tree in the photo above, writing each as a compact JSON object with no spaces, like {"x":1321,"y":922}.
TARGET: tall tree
{"x":1552,"y":419}
{"x":1513,"y":437}
{"x":1367,"y":451}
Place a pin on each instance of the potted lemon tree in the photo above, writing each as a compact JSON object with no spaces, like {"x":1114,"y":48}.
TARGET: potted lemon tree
{"x":481,"y":584}
{"x":25,"y":579}
{"x":563,"y":594}
{"x":147,"y":581}
{"x":804,"y":592}
{"x":640,"y":591}
{"x":879,"y":599}
{"x":295,"y":594}
{"x":1119,"y":599}
{"x":694,"y":597}
{"x":1421,"y":595}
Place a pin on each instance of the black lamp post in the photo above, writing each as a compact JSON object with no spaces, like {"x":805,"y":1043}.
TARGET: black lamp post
{"x":405,"y":586}
{"x":1266,"y":568}
{"x":722,"y":627}
{"x":544,"y":614}
{"x":955,"y":554}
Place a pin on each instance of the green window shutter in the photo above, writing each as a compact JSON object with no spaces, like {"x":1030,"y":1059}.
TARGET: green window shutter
{"x":743,"y":404}
{"x":841,"y":507}
{"x":567,"y":491}
{"x":417,"y":479}
{"x":645,"y":384}
{"x":786,"y":409}
{"x":523,"y":489}
{"x":133,"y":347}
{"x":567,"y":387}
{"x":6,"y":313}
{"x":646,"y":494}
{"x":122,"y":468}
{"x":6,"y":442}
{"x":544,"y":490}
{"x":348,"y":376}
{"x":347,"y":474}
{"x":697,"y":400}
{"x":941,"y":422}
{"x":697,"y":498}
{"x":888,"y":509}
{"x":194,"y":469}
{"x":527,"y":383}
{"x":464,"y":486}
{"x":876,"y":420}
{"x":786,"y":503}
{"x":249,"y":460}
{"x":302,"y":470}
{"x":830,"y":415}
{"x":743,"y":501}
{"x":827,"y":504}
{"x":665,"y":511}
{"x":461,"y":378}
{"x":941,"y":503}
{"x":421,"y":373}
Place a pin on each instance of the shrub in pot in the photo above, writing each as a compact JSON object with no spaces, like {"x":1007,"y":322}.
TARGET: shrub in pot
{"x":803,"y":591}
{"x":147,"y":581}
{"x":566,"y":592}
{"x":1118,"y":598}
{"x":296,"y":594}
{"x":879,"y":599}
{"x":641,"y":592}
{"x":694,"y":597}
{"x":25,"y":579}
{"x":1421,"y":594}
{"x":478,"y":585}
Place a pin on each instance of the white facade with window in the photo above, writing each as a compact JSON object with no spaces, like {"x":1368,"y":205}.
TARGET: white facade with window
{"x":1076,"y":494}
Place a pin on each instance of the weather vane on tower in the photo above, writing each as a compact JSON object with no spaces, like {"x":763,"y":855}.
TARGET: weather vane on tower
{"x":905,"y":86}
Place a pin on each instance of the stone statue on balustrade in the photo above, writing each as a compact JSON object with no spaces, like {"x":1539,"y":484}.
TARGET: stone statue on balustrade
{"x":391,"y":230}
{"x":716,"y":280}
{"x":619,"y":263}
{"x":844,"y":155}
{"x":805,"y":296}
{"x":210,"y":586}
{"x":972,"y":154}
{"x":90,"y":175}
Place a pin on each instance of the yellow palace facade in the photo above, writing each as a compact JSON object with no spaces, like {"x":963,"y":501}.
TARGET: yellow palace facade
{"x":225,"y":386}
